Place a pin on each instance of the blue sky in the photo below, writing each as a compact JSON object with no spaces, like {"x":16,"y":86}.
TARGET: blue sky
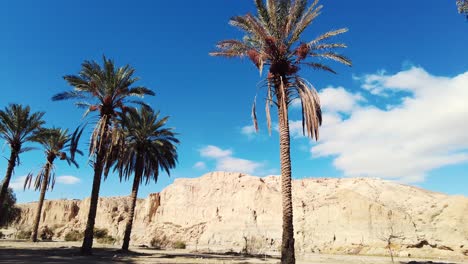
{"x":399,"y":113}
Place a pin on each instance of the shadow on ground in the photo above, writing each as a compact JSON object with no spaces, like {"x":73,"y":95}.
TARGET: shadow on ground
{"x":71,"y":255}
{"x":62,"y":255}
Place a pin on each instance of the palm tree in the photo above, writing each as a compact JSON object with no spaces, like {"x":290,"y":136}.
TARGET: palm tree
{"x":106,"y":90}
{"x":147,"y":147}
{"x":17,"y":126}
{"x":272,"y":40}
{"x":56,"y":143}
{"x":463,"y":7}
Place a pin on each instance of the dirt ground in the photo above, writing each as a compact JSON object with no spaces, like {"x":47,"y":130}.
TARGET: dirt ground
{"x":68,"y":252}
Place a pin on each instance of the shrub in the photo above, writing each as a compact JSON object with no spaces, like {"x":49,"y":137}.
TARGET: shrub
{"x":100,"y":233}
{"x":254,"y":245}
{"x":179,"y":245}
{"x":106,"y":240}
{"x":46,"y":233}
{"x":1,"y":235}
{"x":23,"y":234}
{"x":8,"y":209}
{"x":159,"y":242}
{"x":74,"y":236}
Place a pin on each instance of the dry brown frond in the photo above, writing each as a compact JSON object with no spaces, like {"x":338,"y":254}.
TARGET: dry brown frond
{"x":268,"y":104}
{"x":254,"y":114}
{"x":311,"y":110}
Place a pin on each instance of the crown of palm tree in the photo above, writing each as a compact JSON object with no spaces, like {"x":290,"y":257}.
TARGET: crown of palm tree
{"x":272,"y":40}
{"x":56,"y":143}
{"x":145,"y":137}
{"x":106,"y":89}
{"x":18,"y":125}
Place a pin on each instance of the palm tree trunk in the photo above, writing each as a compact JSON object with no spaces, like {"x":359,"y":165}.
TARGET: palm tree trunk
{"x":45,"y":181}
{"x":86,"y":248}
{"x":6,"y":180}
{"x":133,"y":198}
{"x":287,"y":247}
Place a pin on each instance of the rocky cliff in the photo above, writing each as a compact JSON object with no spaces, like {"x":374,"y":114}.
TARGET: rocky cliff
{"x":223,"y":211}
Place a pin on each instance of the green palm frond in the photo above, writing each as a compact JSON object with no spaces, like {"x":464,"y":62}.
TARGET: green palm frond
{"x":56,"y":142}
{"x":18,"y":125}
{"x":319,"y":66}
{"x":69,"y":95}
{"x":262,"y":12}
{"x":106,"y":90}
{"x":140,"y":91}
{"x":147,"y":146}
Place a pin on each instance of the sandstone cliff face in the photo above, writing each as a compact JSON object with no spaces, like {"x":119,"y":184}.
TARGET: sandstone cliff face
{"x":233,"y":211}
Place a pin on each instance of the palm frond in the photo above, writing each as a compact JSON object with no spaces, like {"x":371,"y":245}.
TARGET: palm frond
{"x":311,"y":110}
{"x":68,"y":95}
{"x":140,"y":91}
{"x":262,"y":12}
{"x":333,"y":56}
{"x":462,"y":6}
{"x":319,"y":66}
{"x":254,"y":114}
{"x":312,"y":12}
{"x":327,"y":35}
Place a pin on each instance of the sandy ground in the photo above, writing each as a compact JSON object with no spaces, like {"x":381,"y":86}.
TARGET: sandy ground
{"x":68,"y":252}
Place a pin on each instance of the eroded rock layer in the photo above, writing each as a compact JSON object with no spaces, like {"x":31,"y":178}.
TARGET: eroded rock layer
{"x":232,"y":211}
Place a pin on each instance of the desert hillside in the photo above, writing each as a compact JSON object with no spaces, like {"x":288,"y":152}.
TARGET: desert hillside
{"x":223,"y":211}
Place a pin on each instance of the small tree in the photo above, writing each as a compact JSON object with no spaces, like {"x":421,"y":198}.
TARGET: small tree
{"x":147,"y":147}
{"x":390,"y":235}
{"x":8,"y":210}
{"x":18,"y":126}
{"x":56,"y":142}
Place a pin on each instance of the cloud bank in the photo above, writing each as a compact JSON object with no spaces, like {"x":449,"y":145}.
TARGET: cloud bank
{"x":405,"y":141}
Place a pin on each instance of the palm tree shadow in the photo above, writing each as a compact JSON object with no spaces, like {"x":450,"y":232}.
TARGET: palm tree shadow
{"x":424,"y":262}
{"x":63,"y":255}
{"x":217,"y":256}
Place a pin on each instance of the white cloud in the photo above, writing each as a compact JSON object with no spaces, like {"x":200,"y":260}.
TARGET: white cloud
{"x":426,"y":131}
{"x":18,"y":183}
{"x":200,"y":165}
{"x":248,"y":130}
{"x":296,"y":103}
{"x":295,"y":129}
{"x":226,"y":162}
{"x":415,"y":80}
{"x":339,"y":100}
{"x":214,"y":152}
{"x":335,"y":99}
{"x":238,"y":165}
{"x":67,"y":179}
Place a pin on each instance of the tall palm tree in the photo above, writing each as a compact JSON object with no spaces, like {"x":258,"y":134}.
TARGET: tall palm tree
{"x":272,"y":39}
{"x":17,"y":126}
{"x":463,"y":7}
{"x":147,"y":147}
{"x":106,"y":90}
{"x":56,"y":142}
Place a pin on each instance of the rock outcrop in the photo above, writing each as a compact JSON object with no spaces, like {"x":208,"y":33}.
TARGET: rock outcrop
{"x":223,"y":211}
